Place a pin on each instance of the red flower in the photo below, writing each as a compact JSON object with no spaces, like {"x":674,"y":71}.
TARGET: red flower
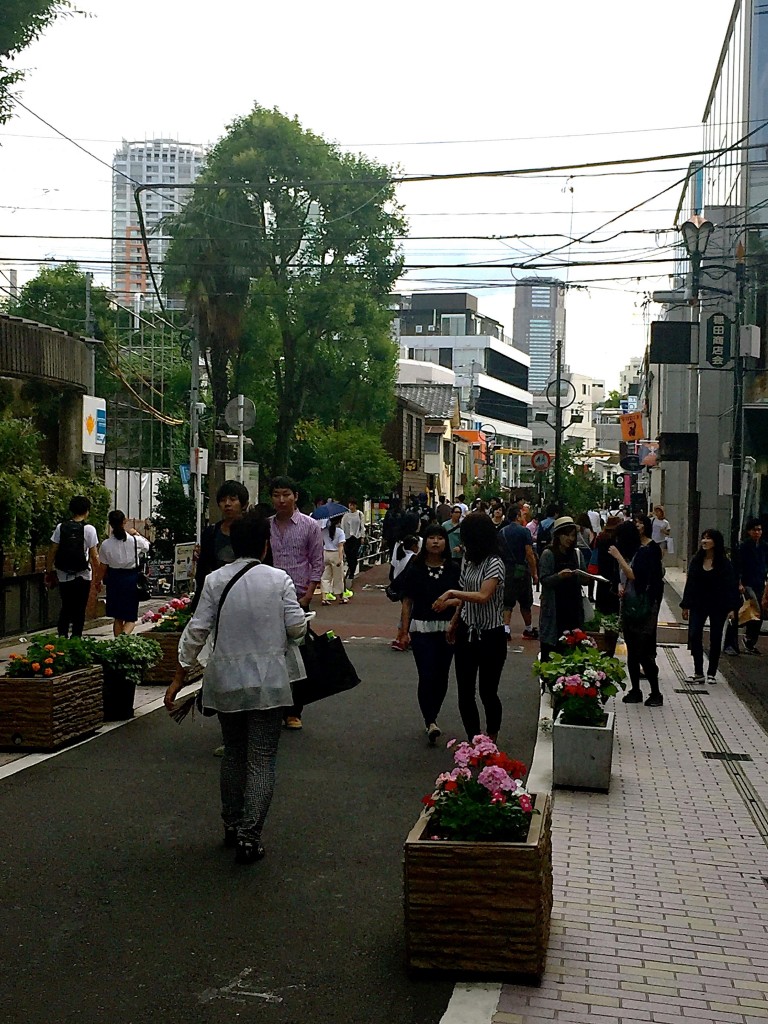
{"x":450,"y":787}
{"x":428,"y":800}
{"x":591,"y":692}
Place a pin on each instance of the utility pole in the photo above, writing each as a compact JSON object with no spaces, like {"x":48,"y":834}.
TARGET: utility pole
{"x":194,"y":427}
{"x":89,"y":329}
{"x":558,"y":419}
{"x":737,"y":456}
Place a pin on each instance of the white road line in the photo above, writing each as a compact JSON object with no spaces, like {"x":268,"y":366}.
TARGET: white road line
{"x":472,"y":1003}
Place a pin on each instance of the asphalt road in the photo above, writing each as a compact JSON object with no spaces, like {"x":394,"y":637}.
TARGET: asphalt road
{"x":120,"y":905}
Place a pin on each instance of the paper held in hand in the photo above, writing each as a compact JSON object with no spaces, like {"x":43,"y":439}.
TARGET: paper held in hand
{"x":588,"y":577}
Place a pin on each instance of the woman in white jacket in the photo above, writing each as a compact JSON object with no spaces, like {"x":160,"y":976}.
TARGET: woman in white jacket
{"x":246,"y":680}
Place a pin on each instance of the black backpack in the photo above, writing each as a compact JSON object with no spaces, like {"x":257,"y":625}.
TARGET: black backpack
{"x":71,"y":556}
{"x":543,"y":538}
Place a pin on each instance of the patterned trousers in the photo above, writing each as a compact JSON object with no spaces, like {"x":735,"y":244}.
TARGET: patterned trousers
{"x":248,"y":768}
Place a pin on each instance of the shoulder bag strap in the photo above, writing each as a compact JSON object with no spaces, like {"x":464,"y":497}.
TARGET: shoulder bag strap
{"x":136,"y":552}
{"x":227,"y":589}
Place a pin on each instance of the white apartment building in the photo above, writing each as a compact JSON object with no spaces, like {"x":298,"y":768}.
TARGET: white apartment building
{"x":631,"y":374}
{"x":153,"y":162}
{"x":491,"y":374}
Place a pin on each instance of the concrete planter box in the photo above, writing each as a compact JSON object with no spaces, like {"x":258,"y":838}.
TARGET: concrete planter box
{"x":480,"y":907}
{"x":582,"y":754}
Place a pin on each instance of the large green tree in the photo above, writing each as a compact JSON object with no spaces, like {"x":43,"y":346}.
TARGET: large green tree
{"x":21,"y":22}
{"x":287,"y":254}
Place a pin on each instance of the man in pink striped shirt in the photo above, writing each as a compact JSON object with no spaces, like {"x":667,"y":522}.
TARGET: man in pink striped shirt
{"x":297,"y":548}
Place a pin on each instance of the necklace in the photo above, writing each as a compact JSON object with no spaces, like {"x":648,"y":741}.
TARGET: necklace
{"x":435,"y":571}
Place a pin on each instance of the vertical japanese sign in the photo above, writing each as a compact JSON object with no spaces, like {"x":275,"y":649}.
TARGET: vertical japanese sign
{"x":94,"y":425}
{"x":719,"y":330}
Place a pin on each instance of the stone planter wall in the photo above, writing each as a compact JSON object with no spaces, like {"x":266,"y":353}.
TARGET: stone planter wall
{"x":162,"y":673}
{"x":480,"y":907}
{"x":44,"y":714}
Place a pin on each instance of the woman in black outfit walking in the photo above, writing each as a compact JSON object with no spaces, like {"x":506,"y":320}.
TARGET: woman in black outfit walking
{"x":478,"y":624}
{"x":639,"y":559}
{"x":711,"y":592}
{"x":429,"y":573}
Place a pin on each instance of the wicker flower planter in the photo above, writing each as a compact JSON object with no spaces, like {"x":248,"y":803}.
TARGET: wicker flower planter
{"x":44,"y":714}
{"x":162,"y":672}
{"x":480,"y":907}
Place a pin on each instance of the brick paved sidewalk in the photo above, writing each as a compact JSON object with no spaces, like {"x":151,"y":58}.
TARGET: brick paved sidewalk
{"x":660,"y":885}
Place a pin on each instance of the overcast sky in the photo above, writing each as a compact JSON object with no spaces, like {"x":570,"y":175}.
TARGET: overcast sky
{"x":431,"y":87}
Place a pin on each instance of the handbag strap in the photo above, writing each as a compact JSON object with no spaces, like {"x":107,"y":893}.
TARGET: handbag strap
{"x":227,"y":589}
{"x":136,"y":552}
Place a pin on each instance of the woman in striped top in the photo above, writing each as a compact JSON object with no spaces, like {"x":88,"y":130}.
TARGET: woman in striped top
{"x":478,"y":624}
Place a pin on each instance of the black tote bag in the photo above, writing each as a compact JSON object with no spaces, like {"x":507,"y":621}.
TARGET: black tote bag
{"x":328,"y":669}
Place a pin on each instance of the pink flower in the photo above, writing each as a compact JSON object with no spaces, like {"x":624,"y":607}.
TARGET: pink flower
{"x":463,"y":754}
{"x":498,"y":798}
{"x":495,"y":778}
{"x":525,"y":803}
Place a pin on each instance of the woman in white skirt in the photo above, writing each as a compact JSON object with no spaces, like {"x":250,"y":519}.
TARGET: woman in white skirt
{"x":120,"y":555}
{"x":332,"y":583}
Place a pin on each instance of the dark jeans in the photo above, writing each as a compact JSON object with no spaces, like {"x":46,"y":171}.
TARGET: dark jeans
{"x":74,"y":598}
{"x":351,"y":551}
{"x":433,"y":655}
{"x":696,"y":619}
{"x":482,"y":656}
{"x":641,"y":654}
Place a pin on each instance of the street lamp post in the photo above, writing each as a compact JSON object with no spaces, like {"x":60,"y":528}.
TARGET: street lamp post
{"x":696,"y":232}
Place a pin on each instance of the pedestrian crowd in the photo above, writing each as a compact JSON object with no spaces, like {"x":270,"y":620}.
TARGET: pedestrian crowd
{"x":457,"y":570}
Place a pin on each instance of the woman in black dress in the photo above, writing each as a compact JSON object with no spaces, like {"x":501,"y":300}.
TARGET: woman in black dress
{"x":711,"y":592}
{"x":639,"y":560}
{"x":429,"y":573}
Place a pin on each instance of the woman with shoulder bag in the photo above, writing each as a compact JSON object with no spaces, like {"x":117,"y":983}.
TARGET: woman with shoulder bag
{"x":426,"y":630}
{"x":642,"y":586}
{"x":120,"y":554}
{"x":562,"y":606}
{"x":711,"y":592}
{"x":252,"y":612}
{"x":477,"y":626}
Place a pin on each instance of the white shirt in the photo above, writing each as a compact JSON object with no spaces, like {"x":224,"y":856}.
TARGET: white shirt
{"x":121,"y":554}
{"x":352,"y":524}
{"x":594,"y":518}
{"x":660,"y":530}
{"x":247,"y":669}
{"x":398,"y":564}
{"x":90,"y":540}
{"x":332,"y":543}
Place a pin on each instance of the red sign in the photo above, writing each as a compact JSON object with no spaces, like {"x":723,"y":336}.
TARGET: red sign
{"x":540,"y":460}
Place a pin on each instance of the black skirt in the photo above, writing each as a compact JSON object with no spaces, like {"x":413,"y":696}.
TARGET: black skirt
{"x":122,"y":596}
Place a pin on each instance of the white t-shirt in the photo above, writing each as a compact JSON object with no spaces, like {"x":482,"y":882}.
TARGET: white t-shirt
{"x":332,"y":543}
{"x":594,"y":518}
{"x":352,"y":524}
{"x":660,"y":531}
{"x":121,"y":554}
{"x":90,"y":540}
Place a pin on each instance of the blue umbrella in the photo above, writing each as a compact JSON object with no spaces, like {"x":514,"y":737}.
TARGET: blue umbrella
{"x":329,"y":510}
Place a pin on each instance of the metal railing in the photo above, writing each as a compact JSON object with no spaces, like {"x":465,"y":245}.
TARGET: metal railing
{"x":372,"y":550}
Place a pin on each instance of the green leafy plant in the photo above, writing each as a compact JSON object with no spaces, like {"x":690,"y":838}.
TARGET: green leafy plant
{"x":483,"y":798}
{"x":51,"y":656}
{"x":126,"y":654}
{"x":581,"y":680}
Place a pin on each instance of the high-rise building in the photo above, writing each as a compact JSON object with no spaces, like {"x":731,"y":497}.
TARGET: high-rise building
{"x":153,"y":162}
{"x":538,"y":324}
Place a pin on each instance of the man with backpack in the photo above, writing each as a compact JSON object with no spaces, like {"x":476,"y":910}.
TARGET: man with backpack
{"x":544,"y":533}
{"x":521,"y":572}
{"x":74,"y":556}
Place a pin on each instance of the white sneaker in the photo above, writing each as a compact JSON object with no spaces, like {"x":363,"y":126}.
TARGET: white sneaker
{"x":711,"y":680}
{"x":695,"y":678}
